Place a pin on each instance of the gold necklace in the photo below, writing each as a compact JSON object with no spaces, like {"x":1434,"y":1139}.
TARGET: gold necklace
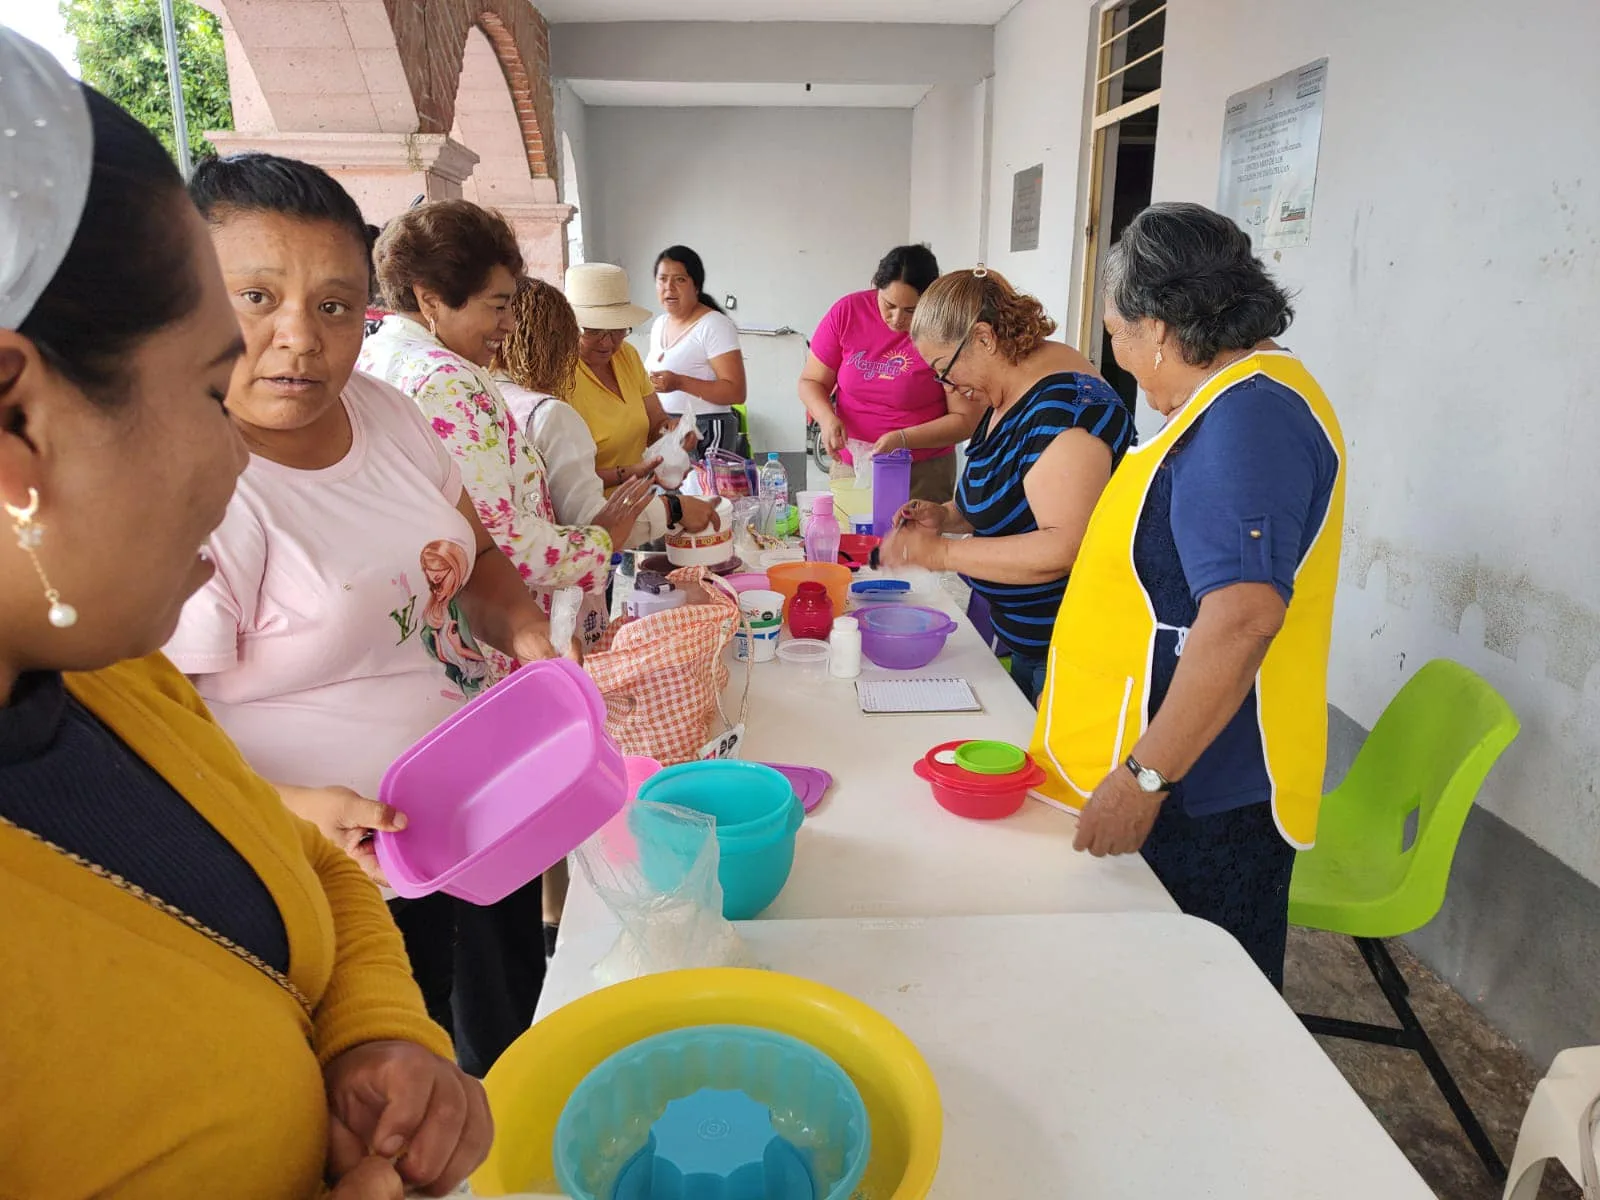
{"x":172,"y":910}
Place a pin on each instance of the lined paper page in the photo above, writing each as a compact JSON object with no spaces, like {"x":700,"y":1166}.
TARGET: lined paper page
{"x":949,"y":694}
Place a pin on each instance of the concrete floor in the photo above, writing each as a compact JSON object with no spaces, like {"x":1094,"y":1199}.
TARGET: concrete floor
{"x":1326,"y":975}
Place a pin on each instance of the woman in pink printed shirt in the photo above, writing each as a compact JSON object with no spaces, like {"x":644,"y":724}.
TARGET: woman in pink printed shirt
{"x":448,"y":271}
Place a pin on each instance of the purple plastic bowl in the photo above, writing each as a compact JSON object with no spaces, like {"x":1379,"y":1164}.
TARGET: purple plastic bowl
{"x":903,"y":637}
{"x":504,"y":789}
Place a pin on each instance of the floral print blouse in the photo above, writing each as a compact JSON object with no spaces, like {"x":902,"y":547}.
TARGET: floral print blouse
{"x":504,"y":477}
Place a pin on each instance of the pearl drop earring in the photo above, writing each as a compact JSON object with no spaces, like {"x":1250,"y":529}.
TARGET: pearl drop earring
{"x":30,"y":536}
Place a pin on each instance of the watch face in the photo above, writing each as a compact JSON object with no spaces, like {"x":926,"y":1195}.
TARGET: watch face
{"x":1149,"y":781}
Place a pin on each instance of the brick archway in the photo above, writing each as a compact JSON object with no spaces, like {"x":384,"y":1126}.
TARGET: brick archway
{"x":405,"y":97}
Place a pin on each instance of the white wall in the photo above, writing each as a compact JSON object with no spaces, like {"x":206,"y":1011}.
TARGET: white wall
{"x":1040,"y":59}
{"x":1448,"y":298}
{"x":948,"y":172}
{"x":572,"y":125}
{"x":789,"y":208}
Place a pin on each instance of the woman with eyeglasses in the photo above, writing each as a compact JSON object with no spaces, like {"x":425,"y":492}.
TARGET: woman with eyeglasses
{"x":613,"y":393}
{"x":865,"y":382}
{"x":1051,"y":431}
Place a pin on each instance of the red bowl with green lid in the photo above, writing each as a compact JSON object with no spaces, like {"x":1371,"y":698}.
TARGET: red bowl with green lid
{"x":975,"y":796}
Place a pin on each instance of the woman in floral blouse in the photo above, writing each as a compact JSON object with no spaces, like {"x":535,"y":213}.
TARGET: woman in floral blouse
{"x":448,"y":271}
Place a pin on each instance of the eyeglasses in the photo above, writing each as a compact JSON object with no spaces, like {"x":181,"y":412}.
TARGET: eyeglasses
{"x":601,"y":335}
{"x":944,"y":376}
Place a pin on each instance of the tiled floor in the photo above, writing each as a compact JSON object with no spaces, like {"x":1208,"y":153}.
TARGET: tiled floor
{"x":1326,"y":975}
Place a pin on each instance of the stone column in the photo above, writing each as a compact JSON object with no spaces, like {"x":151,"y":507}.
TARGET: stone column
{"x":384,"y":172}
{"x":542,"y":233}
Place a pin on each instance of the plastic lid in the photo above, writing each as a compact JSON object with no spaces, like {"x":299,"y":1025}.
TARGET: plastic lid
{"x":811,"y":588}
{"x":822,"y":505}
{"x":772,"y":456}
{"x":805,"y":651}
{"x":990,"y":758}
{"x":885,"y":587}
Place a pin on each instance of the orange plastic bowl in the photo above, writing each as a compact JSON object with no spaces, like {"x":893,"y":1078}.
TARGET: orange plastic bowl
{"x":786,"y":579}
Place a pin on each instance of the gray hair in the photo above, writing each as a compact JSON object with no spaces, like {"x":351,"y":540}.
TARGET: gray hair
{"x":1195,"y":270}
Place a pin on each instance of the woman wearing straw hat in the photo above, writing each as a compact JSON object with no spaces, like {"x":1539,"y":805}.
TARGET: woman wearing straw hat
{"x":613,"y":393}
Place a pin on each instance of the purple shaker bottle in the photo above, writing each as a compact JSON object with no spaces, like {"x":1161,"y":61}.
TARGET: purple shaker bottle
{"x":891,"y":488}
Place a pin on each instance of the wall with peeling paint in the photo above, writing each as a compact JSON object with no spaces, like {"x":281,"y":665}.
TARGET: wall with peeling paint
{"x":1448,"y":300}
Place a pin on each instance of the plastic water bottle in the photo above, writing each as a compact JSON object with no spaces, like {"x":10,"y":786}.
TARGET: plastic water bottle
{"x":822,"y":540}
{"x":773,"y":493}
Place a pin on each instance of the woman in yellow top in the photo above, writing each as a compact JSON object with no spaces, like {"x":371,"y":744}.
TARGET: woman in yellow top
{"x":613,"y":393}
{"x":204,"y":997}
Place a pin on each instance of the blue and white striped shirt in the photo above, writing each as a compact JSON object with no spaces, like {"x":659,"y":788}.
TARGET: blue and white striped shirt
{"x":991,"y":497}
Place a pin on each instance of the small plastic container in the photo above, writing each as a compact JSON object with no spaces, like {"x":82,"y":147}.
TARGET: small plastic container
{"x":809,"y":658}
{"x":504,"y":788}
{"x":880,"y":591}
{"x":974,"y":796}
{"x":744,"y":799}
{"x":903,"y":637}
{"x":652,"y":594}
{"x":990,"y":758}
{"x":714,"y":1112}
{"x":811,"y":611}
{"x":844,"y":648}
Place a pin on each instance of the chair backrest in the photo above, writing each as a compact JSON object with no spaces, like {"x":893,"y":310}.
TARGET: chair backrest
{"x":1429,"y":753}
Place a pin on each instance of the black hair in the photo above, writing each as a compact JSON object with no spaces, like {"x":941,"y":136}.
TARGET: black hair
{"x":690,"y":262}
{"x":914,"y":266}
{"x":1195,"y":270}
{"x":128,"y":273}
{"x":270,"y":184}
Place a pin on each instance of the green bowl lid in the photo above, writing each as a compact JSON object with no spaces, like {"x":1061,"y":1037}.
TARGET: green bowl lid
{"x":990,"y":758}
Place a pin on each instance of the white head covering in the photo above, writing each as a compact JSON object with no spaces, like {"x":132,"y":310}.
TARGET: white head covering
{"x":46,"y":158}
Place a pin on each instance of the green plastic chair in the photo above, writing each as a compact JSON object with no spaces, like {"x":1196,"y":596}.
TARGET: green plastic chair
{"x":1425,"y":760}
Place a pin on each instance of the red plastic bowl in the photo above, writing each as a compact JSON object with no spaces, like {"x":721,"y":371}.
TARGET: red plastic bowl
{"x":855,"y":549}
{"x":977,"y":797}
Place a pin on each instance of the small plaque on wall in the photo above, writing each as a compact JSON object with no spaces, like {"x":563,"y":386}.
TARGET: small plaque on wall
{"x":1027,"y":189}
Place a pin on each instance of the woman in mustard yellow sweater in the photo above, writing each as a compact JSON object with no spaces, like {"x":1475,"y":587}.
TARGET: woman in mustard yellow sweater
{"x":202,"y":996}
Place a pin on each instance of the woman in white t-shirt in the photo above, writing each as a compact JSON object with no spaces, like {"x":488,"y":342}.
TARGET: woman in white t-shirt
{"x":356,"y":591}
{"x":694,"y":356}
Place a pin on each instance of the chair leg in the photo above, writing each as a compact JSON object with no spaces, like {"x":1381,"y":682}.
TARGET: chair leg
{"x":1410,"y":1036}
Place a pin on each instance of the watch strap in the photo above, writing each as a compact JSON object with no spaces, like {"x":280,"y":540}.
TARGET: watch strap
{"x":1140,"y":770}
{"x":674,"y":509}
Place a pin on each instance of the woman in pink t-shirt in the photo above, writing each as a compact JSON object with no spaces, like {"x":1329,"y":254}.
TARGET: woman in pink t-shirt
{"x":865,"y":382}
{"x":356,"y":591}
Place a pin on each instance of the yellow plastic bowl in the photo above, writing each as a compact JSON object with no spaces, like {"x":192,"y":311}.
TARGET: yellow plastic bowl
{"x":531,"y":1083}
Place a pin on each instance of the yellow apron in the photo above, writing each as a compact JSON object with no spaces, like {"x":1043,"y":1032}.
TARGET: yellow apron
{"x":1093,"y":706}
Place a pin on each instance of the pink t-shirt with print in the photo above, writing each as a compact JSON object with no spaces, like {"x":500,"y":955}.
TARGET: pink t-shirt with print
{"x":328,"y":642}
{"x":883,"y":383}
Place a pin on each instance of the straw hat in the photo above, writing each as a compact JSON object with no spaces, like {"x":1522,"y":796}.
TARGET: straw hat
{"x":598,"y":293}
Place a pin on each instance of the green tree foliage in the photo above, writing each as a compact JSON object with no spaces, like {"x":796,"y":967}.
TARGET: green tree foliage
{"x":121,"y":53}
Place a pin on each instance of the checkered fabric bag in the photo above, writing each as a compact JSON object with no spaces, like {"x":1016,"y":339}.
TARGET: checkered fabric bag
{"x":662,"y":675}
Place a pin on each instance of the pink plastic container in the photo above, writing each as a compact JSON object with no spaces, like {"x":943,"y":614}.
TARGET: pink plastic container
{"x":504,"y":789}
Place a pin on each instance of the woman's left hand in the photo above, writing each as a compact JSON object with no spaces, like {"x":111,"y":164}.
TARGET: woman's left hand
{"x":894,"y":440}
{"x":913,"y":545}
{"x":399,"y":1101}
{"x":666,"y":381}
{"x":1118,"y":817}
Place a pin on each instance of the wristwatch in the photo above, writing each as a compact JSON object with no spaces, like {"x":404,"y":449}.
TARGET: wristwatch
{"x":1151,"y":781}
{"x":674,"y":510}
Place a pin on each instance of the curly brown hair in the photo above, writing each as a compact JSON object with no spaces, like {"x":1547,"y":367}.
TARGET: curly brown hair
{"x":542,"y":353}
{"x":956,"y":302}
{"x":448,"y":247}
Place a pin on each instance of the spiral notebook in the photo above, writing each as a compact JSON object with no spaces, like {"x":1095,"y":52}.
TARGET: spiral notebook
{"x":950,"y":694}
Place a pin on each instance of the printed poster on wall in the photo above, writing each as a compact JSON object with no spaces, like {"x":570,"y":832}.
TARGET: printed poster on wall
{"x":1027,"y":193}
{"x":1270,"y":138}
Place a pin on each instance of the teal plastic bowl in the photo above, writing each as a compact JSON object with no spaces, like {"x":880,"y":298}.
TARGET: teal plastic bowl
{"x":745,"y":799}
{"x":617,"y":1125}
{"x":751,"y":867}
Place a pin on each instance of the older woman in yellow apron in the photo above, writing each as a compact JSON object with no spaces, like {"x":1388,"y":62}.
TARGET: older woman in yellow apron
{"x":1184,"y":710}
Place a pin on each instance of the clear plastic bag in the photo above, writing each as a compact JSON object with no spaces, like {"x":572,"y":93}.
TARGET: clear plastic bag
{"x":655,"y":866}
{"x":675,"y":460}
{"x":861,"y":464}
